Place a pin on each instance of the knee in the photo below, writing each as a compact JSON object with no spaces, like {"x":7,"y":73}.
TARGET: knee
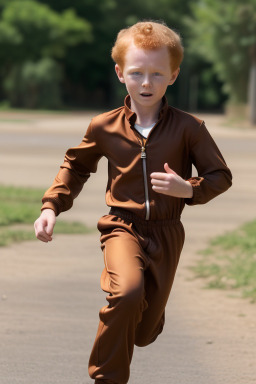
{"x":131,"y":296}
{"x":145,"y":336}
{"x":144,"y":340}
{"x":128,"y":296}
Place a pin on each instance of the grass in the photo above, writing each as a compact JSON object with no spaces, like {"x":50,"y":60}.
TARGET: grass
{"x":229,"y":262}
{"x":19,"y":208}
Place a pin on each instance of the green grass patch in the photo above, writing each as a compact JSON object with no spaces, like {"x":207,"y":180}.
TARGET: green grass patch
{"x":19,"y":208}
{"x":229,"y":262}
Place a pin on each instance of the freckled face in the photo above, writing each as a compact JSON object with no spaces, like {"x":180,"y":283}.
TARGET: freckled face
{"x":146,"y":74}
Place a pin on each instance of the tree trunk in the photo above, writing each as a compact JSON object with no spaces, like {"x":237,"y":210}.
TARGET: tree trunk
{"x":252,"y":87}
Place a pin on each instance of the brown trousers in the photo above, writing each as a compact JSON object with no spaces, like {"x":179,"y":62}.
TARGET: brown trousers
{"x":140,"y":258}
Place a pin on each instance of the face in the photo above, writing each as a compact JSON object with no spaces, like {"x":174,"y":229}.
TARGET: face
{"x":146,"y":74}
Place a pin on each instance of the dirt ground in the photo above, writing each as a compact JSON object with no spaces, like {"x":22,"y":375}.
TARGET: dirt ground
{"x":50,"y":294}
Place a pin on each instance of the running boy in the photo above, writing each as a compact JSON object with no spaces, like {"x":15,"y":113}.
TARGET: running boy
{"x":150,"y":148}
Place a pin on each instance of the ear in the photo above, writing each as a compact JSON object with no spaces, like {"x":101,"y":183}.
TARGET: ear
{"x":174,"y":76}
{"x":119,"y":73}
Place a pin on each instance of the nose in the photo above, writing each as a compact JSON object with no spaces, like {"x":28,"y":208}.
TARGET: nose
{"x":146,"y":81}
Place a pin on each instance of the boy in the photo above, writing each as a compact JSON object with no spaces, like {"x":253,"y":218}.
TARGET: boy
{"x":150,"y":148}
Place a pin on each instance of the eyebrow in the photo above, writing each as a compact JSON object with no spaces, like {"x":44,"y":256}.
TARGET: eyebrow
{"x":135,"y":67}
{"x":141,"y":68}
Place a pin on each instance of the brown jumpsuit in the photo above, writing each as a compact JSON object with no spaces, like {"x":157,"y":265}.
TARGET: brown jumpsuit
{"x":142,"y":237}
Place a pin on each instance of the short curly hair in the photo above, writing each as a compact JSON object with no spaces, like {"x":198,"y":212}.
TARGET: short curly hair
{"x":148,"y":35}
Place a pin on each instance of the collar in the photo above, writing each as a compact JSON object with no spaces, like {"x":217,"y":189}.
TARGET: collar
{"x":131,"y":116}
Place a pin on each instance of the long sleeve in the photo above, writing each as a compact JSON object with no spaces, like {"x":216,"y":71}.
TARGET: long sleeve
{"x":214,"y":177}
{"x":78,"y":164}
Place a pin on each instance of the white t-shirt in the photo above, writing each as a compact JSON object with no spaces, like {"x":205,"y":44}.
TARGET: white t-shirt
{"x":144,"y":131}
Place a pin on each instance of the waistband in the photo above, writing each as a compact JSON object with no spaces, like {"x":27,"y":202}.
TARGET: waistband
{"x":132,"y":217}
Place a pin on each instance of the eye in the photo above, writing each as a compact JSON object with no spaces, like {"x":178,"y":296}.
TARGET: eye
{"x":157,"y":74}
{"x":136,"y":73}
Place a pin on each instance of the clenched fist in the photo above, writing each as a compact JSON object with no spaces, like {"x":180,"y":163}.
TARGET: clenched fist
{"x":44,"y":225}
{"x":170,"y":183}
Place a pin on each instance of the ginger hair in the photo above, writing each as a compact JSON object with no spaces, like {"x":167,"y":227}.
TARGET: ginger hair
{"x":148,"y":35}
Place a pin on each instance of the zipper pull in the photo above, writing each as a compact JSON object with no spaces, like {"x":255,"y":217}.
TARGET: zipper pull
{"x":143,"y":153}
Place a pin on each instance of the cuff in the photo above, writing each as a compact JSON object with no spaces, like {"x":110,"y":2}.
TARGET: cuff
{"x":50,"y":205}
{"x":196,"y":183}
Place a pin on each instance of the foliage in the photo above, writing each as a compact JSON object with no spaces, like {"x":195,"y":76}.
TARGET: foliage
{"x":230,"y":261}
{"x":39,"y":31}
{"x":34,"y":84}
{"x":224,"y":34}
{"x":32,"y":38}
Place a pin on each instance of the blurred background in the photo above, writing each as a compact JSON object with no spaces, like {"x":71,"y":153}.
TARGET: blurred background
{"x":56,"y":54}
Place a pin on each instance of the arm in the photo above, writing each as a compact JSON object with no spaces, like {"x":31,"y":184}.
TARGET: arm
{"x":214,"y":177}
{"x":78,"y":164}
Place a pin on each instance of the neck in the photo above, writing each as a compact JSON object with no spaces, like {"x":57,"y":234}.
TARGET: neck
{"x":146,"y":116}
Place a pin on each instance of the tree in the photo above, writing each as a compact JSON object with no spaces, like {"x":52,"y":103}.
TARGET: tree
{"x":224,"y":34}
{"x":31,"y":31}
{"x":34,"y":84}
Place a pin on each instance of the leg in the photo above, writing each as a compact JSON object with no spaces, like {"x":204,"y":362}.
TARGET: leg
{"x":164,"y":249}
{"x":123,"y":278}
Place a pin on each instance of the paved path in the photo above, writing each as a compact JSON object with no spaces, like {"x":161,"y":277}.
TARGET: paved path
{"x":50,"y":295}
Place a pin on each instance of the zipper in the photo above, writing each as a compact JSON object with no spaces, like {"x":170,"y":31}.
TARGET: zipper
{"x":142,"y":142}
{"x":144,"y":166}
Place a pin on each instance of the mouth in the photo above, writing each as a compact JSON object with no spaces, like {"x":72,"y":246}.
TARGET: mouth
{"x":144,"y":94}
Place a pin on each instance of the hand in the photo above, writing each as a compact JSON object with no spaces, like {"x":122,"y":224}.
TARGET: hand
{"x":44,"y":225}
{"x":170,"y":183}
